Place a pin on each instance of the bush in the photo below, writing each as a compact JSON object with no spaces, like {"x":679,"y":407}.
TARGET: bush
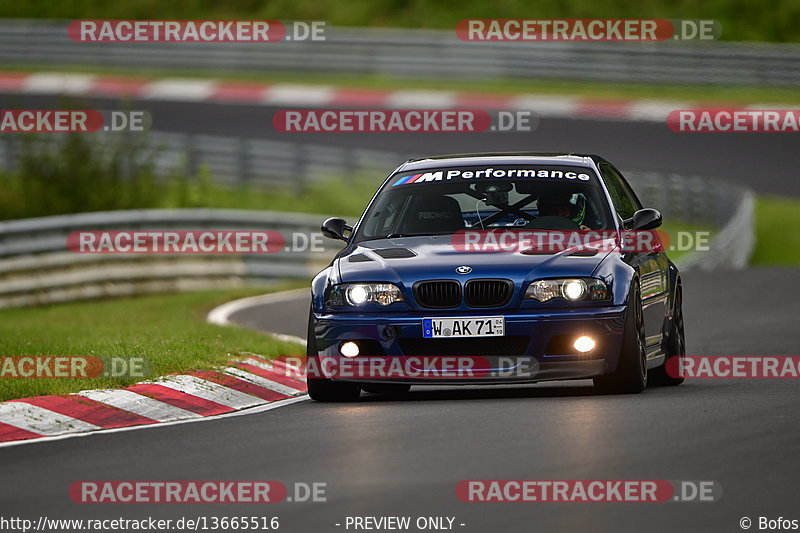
{"x":78,"y":173}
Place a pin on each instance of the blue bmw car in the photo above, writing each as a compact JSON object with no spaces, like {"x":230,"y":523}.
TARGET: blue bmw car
{"x":495,"y":269}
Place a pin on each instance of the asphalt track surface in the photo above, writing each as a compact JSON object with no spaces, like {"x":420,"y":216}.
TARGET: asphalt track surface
{"x":391,"y":456}
{"x":765,"y":161}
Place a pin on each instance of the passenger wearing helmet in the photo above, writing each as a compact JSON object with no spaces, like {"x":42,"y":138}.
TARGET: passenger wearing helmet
{"x":571,"y":206}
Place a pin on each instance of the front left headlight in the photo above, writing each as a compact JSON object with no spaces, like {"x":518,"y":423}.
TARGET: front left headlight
{"x":359,"y":294}
{"x":572,"y":290}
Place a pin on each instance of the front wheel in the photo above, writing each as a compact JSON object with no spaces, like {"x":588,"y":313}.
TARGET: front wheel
{"x":630,"y":376}
{"x":322,"y":389}
{"x":675,"y":347}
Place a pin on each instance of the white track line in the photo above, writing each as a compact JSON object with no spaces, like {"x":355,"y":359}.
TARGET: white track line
{"x":220,"y":315}
{"x":414,"y":99}
{"x":58,"y":83}
{"x":260,"y":364}
{"x":654,"y":110}
{"x":40,"y":420}
{"x":290,"y":371}
{"x":546,"y":106}
{"x":287,"y":93}
{"x":287,"y":369}
{"x":184,"y":90}
{"x":289,"y":338}
{"x":262,"y":382}
{"x":138,"y":404}
{"x":210,"y":391}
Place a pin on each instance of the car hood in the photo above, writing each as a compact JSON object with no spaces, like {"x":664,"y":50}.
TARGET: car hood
{"x":409,"y":259}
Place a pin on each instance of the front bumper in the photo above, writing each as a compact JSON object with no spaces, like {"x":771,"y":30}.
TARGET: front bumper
{"x":536,"y":347}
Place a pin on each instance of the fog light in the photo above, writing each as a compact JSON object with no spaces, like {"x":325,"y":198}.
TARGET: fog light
{"x":584,"y":344}
{"x":349,"y":349}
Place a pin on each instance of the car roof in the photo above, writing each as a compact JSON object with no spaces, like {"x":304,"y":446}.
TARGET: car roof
{"x":499,"y":158}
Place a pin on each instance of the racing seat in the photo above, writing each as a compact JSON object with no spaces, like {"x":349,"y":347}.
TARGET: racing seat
{"x":434,"y":214}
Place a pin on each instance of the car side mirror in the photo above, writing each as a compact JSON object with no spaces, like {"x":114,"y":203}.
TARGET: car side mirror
{"x":643,"y":219}
{"x":334,"y":228}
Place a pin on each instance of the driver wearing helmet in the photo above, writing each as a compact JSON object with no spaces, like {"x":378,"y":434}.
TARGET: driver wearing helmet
{"x":571,"y":206}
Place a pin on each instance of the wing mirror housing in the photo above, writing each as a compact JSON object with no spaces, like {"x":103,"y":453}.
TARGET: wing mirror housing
{"x":644,"y":219}
{"x":334,"y":228}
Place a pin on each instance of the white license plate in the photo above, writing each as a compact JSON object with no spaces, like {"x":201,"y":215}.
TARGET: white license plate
{"x":476,"y":326}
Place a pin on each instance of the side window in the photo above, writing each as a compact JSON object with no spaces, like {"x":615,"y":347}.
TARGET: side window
{"x":385,"y":216}
{"x":625,"y":201}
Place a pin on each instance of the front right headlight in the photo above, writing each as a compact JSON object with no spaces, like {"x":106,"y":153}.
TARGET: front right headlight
{"x":570,"y":289}
{"x":359,"y":294}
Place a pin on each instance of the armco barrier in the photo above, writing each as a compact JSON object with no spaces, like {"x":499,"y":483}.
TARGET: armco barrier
{"x":37,"y":268}
{"x":733,"y":245}
{"x":421,"y":53}
{"x":728,"y":208}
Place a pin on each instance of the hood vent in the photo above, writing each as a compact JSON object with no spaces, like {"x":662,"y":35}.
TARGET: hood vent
{"x":395,"y":253}
{"x":359,"y":258}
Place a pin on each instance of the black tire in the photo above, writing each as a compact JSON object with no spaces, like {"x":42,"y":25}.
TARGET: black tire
{"x":393,"y":389}
{"x":630,"y":376}
{"x":675,"y":345}
{"x":323,"y":389}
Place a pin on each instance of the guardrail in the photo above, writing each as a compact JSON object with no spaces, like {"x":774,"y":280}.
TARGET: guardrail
{"x":733,"y":245}
{"x":422,"y":53}
{"x":725,"y":206}
{"x":36,"y":266}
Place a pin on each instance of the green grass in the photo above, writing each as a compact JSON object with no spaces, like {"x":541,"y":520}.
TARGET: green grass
{"x":730,"y":94}
{"x":778,"y":20}
{"x":169,"y":331}
{"x":777,"y":235}
{"x":334,"y":196}
{"x":339,"y":196}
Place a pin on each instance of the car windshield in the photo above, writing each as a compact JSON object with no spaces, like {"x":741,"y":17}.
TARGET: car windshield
{"x":445,"y":201}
